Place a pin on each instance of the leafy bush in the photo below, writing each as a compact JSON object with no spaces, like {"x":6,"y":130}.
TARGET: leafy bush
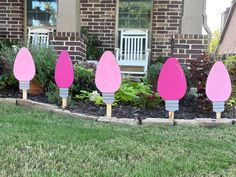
{"x":230,"y":64}
{"x":137,"y":94}
{"x":92,"y":96}
{"x":7,"y":43}
{"x":153,"y":74}
{"x":94,"y":50}
{"x":154,"y":71}
{"x":7,"y":57}
{"x":44,"y":58}
{"x":84,"y":80}
{"x":199,"y":70}
{"x":45,"y":61}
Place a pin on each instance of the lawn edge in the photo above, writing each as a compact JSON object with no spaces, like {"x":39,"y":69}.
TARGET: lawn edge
{"x":197,"y":122}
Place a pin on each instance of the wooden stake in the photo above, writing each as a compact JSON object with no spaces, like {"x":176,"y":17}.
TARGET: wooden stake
{"x":64,"y":103}
{"x":171,"y":115}
{"x":24,"y":92}
{"x":109,"y":109}
{"x":218,"y":115}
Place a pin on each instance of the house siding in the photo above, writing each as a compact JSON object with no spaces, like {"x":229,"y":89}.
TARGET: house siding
{"x":228,"y":40}
{"x":11,"y":19}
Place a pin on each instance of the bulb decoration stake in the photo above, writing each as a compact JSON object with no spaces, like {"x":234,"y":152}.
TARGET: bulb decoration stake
{"x":108,"y":79}
{"x":171,"y":85}
{"x":64,"y":75}
{"x":24,"y":69}
{"x":218,"y":87}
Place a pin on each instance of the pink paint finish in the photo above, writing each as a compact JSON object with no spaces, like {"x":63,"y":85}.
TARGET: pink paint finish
{"x":64,"y":72}
{"x":24,"y":68}
{"x":172,"y":82}
{"x":108,"y":75}
{"x":218,"y":86}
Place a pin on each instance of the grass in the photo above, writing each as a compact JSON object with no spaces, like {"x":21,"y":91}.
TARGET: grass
{"x":37,"y":143}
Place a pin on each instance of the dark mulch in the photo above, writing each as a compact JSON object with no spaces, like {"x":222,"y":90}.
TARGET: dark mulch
{"x":188,"y":108}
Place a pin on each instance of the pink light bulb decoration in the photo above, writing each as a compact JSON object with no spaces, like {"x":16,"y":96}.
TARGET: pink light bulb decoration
{"x":218,"y":86}
{"x":64,"y":74}
{"x":171,"y":84}
{"x":24,"y":69}
{"x":108,"y":77}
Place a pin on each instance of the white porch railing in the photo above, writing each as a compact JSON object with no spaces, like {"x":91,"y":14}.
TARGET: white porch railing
{"x":133,"y":50}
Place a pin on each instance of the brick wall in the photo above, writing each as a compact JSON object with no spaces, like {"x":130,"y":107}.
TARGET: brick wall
{"x":99,"y":17}
{"x":72,"y":42}
{"x":11,"y":19}
{"x":166,"y":22}
{"x":186,"y":47}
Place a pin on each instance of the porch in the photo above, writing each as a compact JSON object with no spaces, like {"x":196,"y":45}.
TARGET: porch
{"x":106,"y":19}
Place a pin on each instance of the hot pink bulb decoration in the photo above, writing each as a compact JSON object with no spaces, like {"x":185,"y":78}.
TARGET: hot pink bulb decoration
{"x":24,"y":68}
{"x":172,"y":82}
{"x":218,"y":86}
{"x":108,"y":75}
{"x":64,"y":72}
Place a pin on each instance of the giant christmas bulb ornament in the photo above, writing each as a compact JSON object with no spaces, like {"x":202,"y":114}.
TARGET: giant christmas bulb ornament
{"x":24,"y":69}
{"x":171,"y":85}
{"x":218,"y":87}
{"x":108,"y":78}
{"x":64,"y":75}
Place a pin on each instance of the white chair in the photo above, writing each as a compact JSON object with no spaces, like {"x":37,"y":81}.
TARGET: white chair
{"x":38,"y":36}
{"x":133,"y":50}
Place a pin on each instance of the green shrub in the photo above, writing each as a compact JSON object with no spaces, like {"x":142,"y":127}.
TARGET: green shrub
{"x":7,"y":57}
{"x":84,"y":80}
{"x":92,"y":96}
{"x":52,"y":94}
{"x":199,"y":71}
{"x":137,"y":94}
{"x":7,"y":43}
{"x":93,"y":45}
{"x":154,"y":71}
{"x":153,"y":74}
{"x":230,"y":64}
{"x":44,"y":58}
{"x":45,"y":61}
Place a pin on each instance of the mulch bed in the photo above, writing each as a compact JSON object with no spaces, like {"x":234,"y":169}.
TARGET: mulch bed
{"x":188,"y":108}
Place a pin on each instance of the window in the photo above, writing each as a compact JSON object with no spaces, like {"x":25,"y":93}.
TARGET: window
{"x":135,"y":13}
{"x":41,"y":12}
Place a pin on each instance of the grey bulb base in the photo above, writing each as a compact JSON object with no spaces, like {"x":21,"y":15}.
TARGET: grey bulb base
{"x":24,"y":85}
{"x":64,"y":92}
{"x":108,"y":98}
{"x":218,"y":106}
{"x":172,"y":105}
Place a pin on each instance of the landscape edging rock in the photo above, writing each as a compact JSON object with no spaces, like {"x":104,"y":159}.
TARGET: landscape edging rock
{"x":200,"y":122}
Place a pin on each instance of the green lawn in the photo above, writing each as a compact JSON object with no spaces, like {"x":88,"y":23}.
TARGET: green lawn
{"x":37,"y":143}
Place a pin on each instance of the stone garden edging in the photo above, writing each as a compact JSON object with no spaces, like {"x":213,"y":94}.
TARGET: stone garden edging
{"x":198,"y":122}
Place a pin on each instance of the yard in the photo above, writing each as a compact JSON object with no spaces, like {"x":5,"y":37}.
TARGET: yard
{"x":37,"y":143}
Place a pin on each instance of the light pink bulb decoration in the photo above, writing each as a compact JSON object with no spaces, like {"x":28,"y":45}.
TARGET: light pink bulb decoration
{"x":64,"y":73}
{"x":24,"y":69}
{"x":108,"y":77}
{"x":218,"y":86}
{"x":171,"y":84}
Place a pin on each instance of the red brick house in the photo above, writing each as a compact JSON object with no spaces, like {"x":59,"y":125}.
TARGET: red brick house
{"x":227,"y":42}
{"x":174,"y":26}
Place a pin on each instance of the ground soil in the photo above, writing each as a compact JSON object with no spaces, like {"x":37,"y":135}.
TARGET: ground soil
{"x":188,"y":108}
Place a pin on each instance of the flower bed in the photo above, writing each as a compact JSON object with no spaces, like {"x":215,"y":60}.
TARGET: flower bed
{"x":137,"y":100}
